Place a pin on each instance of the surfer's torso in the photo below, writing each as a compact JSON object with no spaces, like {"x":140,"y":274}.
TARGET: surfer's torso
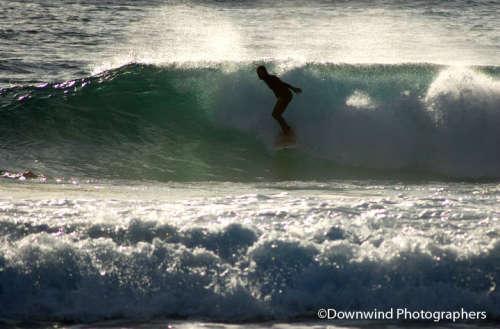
{"x":277,"y":86}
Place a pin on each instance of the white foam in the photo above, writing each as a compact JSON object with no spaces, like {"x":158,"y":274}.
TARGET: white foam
{"x":360,"y":100}
{"x":235,"y":256}
{"x":462,"y":91}
{"x":465,"y":105}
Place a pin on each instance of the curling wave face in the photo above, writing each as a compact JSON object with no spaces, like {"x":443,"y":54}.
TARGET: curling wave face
{"x":212,"y":122}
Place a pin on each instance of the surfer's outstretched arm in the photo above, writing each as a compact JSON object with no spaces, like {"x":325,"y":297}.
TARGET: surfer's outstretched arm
{"x":296,"y":90}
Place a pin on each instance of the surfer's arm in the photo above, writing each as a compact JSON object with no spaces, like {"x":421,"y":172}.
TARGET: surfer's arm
{"x":296,"y":90}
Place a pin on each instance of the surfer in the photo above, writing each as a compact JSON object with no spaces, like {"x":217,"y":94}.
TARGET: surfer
{"x":282,"y":91}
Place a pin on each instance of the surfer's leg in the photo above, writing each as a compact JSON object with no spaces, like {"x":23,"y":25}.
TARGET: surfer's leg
{"x":279,"y":108}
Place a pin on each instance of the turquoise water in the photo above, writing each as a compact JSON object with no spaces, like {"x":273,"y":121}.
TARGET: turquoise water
{"x":156,"y":196}
{"x":193,"y":124}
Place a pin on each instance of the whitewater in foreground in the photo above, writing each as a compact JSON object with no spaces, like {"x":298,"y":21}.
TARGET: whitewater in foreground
{"x":140,"y":186}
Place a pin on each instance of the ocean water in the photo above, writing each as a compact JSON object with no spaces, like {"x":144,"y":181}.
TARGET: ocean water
{"x":140,"y":185}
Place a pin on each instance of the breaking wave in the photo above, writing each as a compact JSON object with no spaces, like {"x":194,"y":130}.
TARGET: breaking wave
{"x":147,"y":269}
{"x":213,"y":122}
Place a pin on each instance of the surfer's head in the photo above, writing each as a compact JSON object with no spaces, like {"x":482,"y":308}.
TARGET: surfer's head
{"x":262,"y":71}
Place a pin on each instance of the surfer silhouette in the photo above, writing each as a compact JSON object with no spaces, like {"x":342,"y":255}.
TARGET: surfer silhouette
{"x":282,"y":92}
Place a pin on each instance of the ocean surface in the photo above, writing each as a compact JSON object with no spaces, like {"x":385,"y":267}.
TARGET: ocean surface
{"x":140,"y":185}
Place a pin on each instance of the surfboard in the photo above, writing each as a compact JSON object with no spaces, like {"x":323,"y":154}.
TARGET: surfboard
{"x":285,"y":141}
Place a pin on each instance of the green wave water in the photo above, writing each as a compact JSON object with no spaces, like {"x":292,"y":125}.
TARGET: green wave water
{"x":192,"y":123}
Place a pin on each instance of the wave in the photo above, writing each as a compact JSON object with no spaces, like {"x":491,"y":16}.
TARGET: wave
{"x":213,"y":122}
{"x":145,"y":269}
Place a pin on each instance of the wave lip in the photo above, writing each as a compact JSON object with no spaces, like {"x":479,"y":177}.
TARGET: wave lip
{"x":465,"y":105}
{"x":212,"y":122}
